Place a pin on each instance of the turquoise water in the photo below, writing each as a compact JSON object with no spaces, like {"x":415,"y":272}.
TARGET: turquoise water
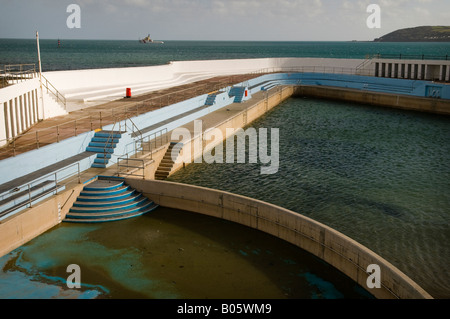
{"x":87,"y":54}
{"x":380,"y":176}
{"x":169,"y":254}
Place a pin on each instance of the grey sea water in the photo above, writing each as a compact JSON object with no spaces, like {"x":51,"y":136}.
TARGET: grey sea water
{"x":89,"y":54}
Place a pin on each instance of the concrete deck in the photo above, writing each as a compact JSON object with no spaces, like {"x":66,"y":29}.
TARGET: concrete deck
{"x":91,"y":118}
{"x":124,"y":107}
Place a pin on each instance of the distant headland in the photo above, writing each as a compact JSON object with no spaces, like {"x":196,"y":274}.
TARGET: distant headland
{"x":418,"y":34}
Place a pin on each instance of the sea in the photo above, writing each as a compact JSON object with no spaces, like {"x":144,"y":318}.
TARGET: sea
{"x":91,"y":54}
{"x":378,"y":175}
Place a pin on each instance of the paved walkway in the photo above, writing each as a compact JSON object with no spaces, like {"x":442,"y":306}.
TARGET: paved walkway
{"x":56,"y":129}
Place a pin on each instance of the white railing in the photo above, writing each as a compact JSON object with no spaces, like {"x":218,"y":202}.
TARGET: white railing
{"x":53,"y":91}
{"x":55,"y":177}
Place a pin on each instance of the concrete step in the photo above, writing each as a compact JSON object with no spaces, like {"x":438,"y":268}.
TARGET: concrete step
{"x":109,"y":203}
{"x":162,"y":175}
{"x":108,"y":134}
{"x":102,"y":144}
{"x":166,"y":164}
{"x":111,"y":208}
{"x":104,"y":140}
{"x":104,"y":187}
{"x":108,"y":200}
{"x":100,"y":150}
{"x":111,"y":216}
{"x":104,"y":155}
{"x":103,"y":161}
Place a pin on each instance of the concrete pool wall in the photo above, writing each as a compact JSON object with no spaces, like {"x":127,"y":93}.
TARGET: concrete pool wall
{"x":333,"y":247}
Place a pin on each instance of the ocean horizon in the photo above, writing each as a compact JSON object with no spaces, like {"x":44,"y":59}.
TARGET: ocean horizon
{"x":94,"y":54}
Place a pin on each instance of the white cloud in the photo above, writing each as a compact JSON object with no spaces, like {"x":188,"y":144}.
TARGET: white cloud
{"x":223,"y":19}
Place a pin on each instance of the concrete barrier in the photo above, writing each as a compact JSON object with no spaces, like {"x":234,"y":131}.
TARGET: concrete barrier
{"x":398,"y":101}
{"x":333,"y":247}
{"x":32,"y":222}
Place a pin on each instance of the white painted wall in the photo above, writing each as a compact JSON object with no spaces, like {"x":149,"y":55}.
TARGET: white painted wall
{"x":18,"y":109}
{"x":22,"y":105}
{"x":85,"y":88}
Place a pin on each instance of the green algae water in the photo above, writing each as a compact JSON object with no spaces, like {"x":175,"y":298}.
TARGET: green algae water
{"x":169,"y":254}
{"x":380,"y":176}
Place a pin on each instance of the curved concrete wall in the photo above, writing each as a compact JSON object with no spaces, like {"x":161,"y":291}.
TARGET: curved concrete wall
{"x":92,"y":84}
{"x":324,"y":242}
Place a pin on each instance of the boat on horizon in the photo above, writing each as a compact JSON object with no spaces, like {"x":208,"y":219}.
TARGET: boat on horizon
{"x":148,"y":39}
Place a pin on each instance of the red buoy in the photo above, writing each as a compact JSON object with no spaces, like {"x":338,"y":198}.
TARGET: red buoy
{"x":128,"y":92}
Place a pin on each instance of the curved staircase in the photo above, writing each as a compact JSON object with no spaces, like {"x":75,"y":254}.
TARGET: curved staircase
{"x":108,"y":200}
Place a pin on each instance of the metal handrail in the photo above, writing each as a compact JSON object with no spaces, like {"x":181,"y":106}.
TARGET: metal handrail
{"x":146,"y":153}
{"x":120,"y":164}
{"x":16,"y":73}
{"x":148,"y":140}
{"x":28,"y":187}
{"x":51,"y":89}
{"x":363,"y":64}
{"x":411,"y":57}
{"x":109,"y":141}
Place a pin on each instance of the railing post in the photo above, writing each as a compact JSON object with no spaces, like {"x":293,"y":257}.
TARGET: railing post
{"x":37,"y":139}
{"x":79,"y":176}
{"x":56,"y":184}
{"x":29,"y":194}
{"x":57,"y":133}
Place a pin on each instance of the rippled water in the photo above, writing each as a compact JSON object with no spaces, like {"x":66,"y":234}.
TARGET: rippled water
{"x":380,"y":176}
{"x":88,"y":54}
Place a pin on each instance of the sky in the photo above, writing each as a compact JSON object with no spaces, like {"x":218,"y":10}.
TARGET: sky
{"x":222,"y":20}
